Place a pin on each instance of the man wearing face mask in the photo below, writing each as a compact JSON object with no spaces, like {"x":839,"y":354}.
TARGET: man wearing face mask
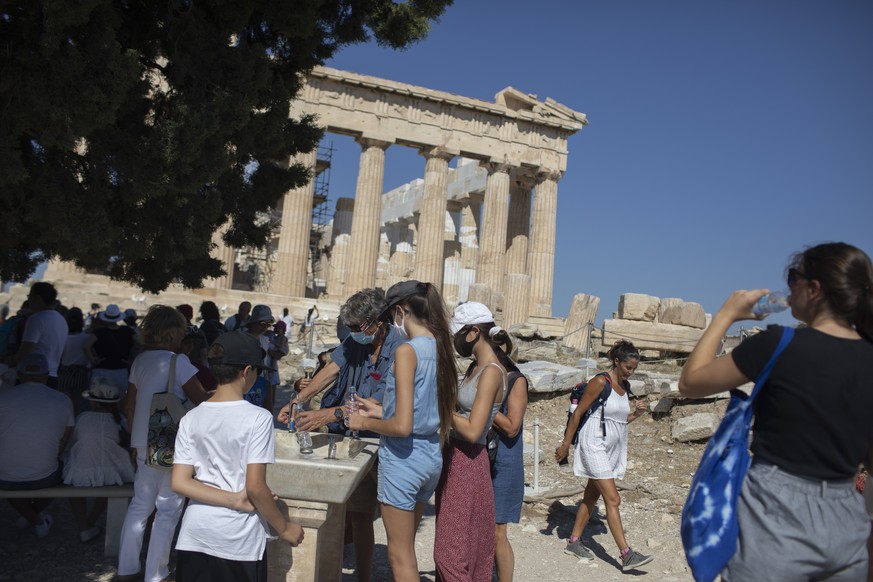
{"x":363,"y":360}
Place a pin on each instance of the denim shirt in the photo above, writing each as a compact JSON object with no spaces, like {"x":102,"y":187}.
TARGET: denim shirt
{"x":356,"y":369}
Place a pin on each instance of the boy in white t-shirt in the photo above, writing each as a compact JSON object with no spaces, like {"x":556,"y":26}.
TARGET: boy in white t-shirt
{"x":222,"y":451}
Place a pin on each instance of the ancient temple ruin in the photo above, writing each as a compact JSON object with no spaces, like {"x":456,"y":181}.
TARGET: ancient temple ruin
{"x":480,"y":223}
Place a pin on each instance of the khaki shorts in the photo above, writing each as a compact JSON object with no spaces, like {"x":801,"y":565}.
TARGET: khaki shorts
{"x":363,"y":498}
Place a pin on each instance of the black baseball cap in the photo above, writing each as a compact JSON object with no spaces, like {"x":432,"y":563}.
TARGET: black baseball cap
{"x":240,"y":349}
{"x":400,"y":291}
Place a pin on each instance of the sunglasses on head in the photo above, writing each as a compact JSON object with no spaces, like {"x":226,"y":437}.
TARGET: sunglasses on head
{"x":794,"y":275}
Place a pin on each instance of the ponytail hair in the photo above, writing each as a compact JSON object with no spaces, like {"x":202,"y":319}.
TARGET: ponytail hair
{"x":622,"y":351}
{"x":500,"y":342}
{"x":428,"y":307}
{"x":845,"y":274}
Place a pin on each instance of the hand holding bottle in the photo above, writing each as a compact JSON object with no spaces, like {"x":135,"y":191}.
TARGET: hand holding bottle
{"x":773,"y":302}
{"x":739,"y":305}
{"x":368,"y":408}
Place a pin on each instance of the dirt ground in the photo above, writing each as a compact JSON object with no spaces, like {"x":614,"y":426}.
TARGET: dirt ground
{"x":659,"y":474}
{"x":653,"y":492}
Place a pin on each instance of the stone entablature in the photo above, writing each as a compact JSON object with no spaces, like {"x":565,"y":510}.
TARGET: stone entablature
{"x":516,"y":129}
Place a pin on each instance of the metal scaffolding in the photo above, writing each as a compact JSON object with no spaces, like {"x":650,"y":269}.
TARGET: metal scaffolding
{"x":322,"y":216}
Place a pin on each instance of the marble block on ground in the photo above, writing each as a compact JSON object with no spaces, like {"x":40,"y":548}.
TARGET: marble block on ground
{"x":546,"y":377}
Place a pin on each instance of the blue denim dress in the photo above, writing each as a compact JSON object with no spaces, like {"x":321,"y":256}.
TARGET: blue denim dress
{"x":409,"y":467}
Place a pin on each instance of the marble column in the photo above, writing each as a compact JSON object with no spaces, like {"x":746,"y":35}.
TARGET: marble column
{"x":383,"y":264}
{"x":401,"y":261}
{"x":342,"y":217}
{"x":468,"y":235}
{"x":492,"y":242}
{"x":226,"y":255}
{"x":518,"y":227}
{"x":364,"y":249}
{"x":336,"y":279}
{"x":292,"y":254}
{"x":515,"y":308}
{"x":541,"y":251}
{"x":432,"y":217}
{"x":452,"y":256}
{"x":342,"y":227}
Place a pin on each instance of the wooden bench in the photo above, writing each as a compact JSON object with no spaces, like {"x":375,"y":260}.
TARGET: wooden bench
{"x":116,"y":507}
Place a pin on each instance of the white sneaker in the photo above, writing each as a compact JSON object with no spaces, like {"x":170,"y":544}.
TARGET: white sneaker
{"x":42,"y":530}
{"x":21,"y":522}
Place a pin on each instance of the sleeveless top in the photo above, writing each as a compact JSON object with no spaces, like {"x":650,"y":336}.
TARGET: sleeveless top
{"x":425,"y":408}
{"x":467,"y":395}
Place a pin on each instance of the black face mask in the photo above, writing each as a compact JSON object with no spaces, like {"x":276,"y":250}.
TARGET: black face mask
{"x":462,"y":346}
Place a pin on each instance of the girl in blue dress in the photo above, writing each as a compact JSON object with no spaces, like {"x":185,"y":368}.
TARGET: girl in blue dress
{"x":414,"y":418}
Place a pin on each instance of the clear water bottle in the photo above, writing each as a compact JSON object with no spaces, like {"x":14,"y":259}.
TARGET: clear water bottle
{"x":292,"y":410}
{"x":352,"y":407}
{"x":304,"y":439}
{"x":771,"y":303}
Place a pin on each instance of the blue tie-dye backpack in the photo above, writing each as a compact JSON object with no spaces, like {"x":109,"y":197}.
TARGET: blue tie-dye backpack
{"x":709,"y":518}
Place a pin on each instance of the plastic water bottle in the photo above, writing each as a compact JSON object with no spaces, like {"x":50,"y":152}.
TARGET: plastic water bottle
{"x":352,"y":406}
{"x":304,"y":439}
{"x":292,"y":408}
{"x":573,"y":404}
{"x":771,"y":303}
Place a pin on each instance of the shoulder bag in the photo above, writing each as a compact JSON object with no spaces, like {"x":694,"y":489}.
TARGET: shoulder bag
{"x":709,"y":518}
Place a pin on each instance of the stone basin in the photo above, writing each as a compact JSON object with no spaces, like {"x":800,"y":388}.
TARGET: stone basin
{"x":313,"y":491}
{"x":314,"y":477}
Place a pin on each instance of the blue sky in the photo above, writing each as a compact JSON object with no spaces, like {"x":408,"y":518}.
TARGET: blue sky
{"x":723,"y":136}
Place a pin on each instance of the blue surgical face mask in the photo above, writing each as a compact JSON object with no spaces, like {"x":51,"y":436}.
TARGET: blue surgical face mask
{"x":362,"y":338}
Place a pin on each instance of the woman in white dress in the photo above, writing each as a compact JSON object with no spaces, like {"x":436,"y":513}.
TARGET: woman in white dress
{"x":601,"y":450}
{"x":95,"y":457}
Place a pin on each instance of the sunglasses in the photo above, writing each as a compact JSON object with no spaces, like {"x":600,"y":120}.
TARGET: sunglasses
{"x":794,"y":275}
{"x":361,"y":326}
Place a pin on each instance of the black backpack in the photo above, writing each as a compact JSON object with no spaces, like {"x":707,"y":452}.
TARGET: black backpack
{"x":576,"y":398}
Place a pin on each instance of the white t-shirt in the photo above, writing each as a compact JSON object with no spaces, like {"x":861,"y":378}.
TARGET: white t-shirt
{"x":33,"y":418}
{"x":288,"y":320}
{"x":74,"y":350}
{"x":149,"y":374}
{"x":219,"y":439}
{"x":48,"y":330}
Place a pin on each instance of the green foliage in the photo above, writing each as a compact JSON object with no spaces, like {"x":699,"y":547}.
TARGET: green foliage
{"x":131,"y":130}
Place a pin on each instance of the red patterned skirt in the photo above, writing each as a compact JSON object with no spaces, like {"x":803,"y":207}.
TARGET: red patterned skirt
{"x":464,"y":540}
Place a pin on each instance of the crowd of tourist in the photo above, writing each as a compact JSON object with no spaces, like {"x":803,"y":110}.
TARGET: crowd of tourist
{"x":76,"y":401}
{"x":394,"y":376}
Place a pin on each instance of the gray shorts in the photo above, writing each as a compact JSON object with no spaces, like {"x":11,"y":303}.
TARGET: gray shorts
{"x":794,"y":528}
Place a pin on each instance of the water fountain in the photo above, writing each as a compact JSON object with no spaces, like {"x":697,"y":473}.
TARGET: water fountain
{"x":313,"y":490}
